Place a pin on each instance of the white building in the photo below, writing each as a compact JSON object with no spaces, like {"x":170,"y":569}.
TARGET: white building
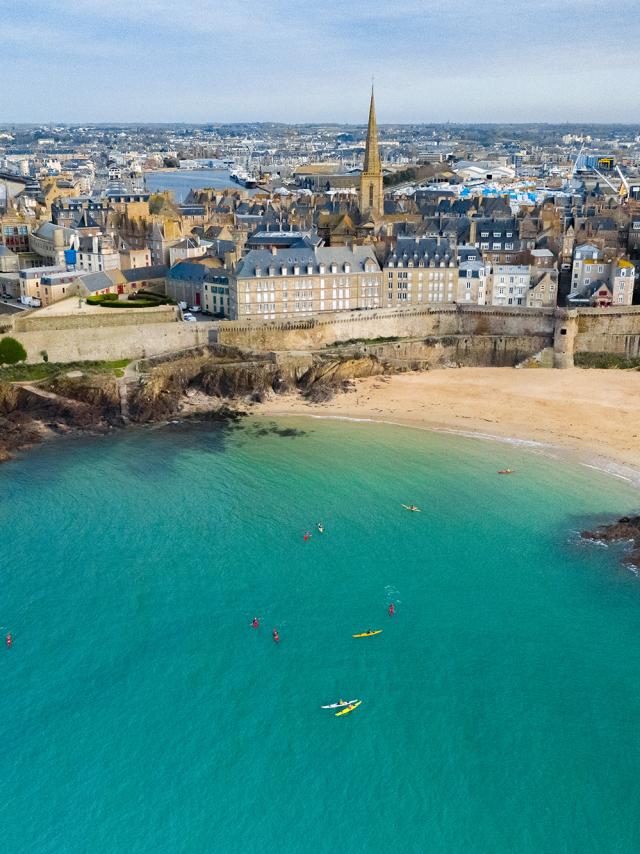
{"x":510,"y":284}
{"x":474,"y":281}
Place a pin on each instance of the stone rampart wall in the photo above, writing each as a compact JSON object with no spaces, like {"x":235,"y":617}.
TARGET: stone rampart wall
{"x":96,"y":319}
{"x":112,"y":343}
{"x":611,"y":330}
{"x":386,"y":323}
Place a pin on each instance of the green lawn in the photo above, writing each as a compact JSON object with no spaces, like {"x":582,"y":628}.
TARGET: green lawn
{"x":48,"y":370}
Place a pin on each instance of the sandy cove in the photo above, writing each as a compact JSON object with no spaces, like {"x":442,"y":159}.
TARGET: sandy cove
{"x":593,"y":413}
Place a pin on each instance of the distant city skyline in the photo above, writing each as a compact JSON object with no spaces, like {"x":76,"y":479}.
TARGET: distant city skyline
{"x":223,"y":61}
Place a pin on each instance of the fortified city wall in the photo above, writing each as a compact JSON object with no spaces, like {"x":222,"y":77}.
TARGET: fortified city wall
{"x":466,"y":334}
{"x":387,"y":323}
{"x":511,"y":331}
{"x":110,"y":343}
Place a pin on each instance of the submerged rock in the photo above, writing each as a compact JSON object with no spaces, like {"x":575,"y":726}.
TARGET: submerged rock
{"x":626,"y":529}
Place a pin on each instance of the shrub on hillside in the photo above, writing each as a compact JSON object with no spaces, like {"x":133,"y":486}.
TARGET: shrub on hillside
{"x":11,"y":352}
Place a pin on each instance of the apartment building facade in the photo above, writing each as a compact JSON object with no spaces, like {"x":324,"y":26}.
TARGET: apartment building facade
{"x":294,"y":284}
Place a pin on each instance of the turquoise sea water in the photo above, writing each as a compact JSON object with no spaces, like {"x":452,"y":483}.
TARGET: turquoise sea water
{"x":140,"y":712}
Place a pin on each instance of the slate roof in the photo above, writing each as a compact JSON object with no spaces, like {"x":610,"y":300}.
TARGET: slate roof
{"x":95,"y":281}
{"x":303,"y":257}
{"x":140,"y":274}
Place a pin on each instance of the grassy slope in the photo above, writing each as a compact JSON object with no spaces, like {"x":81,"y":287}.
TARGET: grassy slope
{"x":49,"y":370}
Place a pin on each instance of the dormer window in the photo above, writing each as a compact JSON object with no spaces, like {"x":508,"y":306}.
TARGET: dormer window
{"x":258,"y":271}
{"x":272,"y":271}
{"x":309,"y":269}
{"x":390,"y":264}
{"x":283,"y":271}
{"x":296,"y":270}
{"x":321,"y":269}
{"x":347,"y":268}
{"x":334,"y":268}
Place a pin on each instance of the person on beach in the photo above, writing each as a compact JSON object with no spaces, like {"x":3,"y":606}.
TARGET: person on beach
{"x":255,"y":623}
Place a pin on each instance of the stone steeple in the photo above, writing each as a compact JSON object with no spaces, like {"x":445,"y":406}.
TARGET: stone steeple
{"x":371,"y":196}
{"x":371,"y":154}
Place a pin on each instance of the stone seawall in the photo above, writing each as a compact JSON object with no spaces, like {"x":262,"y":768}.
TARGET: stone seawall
{"x":111,"y":343}
{"x":479,"y":335}
{"x":611,"y":330}
{"x":387,"y":323}
{"x":92,"y":318}
{"x":498,"y":351}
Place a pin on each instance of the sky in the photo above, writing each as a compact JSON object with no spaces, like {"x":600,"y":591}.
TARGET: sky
{"x":296,"y":61}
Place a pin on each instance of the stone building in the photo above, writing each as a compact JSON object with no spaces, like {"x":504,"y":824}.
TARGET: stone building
{"x":295,"y":284}
{"x":421,"y":271}
{"x":371,"y":195}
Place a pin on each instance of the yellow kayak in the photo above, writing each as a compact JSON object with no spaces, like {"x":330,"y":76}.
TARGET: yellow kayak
{"x":367,"y":634}
{"x":349,"y":708}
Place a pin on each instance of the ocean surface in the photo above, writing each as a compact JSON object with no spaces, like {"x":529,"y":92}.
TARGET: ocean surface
{"x":140,"y":712}
{"x":181,"y":181}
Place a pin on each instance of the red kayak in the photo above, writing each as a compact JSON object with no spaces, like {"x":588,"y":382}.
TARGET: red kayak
{"x":506,"y":471}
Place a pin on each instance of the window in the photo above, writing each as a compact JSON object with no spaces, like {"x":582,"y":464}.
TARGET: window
{"x":370,"y":195}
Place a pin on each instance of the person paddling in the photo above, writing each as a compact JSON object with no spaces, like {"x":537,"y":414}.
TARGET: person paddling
{"x":255,"y":623}
{"x":276,"y":636}
{"x":9,"y":639}
{"x":392,"y":609}
{"x":307,"y":536}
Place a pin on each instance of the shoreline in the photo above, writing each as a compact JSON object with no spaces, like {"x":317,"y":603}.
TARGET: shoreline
{"x":463,"y":402}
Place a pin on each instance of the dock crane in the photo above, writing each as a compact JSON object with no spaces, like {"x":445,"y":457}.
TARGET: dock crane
{"x":624,"y":186}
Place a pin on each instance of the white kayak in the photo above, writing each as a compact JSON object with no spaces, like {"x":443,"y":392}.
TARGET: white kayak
{"x":338,"y":705}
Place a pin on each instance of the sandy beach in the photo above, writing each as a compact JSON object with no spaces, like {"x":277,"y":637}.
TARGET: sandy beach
{"x":595,"y":414}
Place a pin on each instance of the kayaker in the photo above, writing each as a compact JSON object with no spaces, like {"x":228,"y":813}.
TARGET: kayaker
{"x":392,"y":609}
{"x":255,"y":623}
{"x":321,"y":527}
{"x":9,"y":639}
{"x":276,"y":636}
{"x":307,"y":536}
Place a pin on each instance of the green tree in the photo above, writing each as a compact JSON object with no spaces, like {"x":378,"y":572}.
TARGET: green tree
{"x":11,"y":352}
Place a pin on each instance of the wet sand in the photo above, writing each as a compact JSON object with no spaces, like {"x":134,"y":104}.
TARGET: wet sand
{"x":593,"y":413}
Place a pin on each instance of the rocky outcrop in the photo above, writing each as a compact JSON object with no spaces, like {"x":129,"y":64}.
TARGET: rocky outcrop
{"x":626,"y":529}
{"x":333,"y":372}
{"x":226,"y":376}
{"x":97,"y":391}
{"x":187,"y":386}
{"x":254,"y":379}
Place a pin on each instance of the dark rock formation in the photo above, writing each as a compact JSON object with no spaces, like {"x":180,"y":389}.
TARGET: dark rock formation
{"x":626,"y":529}
{"x":191,"y":386}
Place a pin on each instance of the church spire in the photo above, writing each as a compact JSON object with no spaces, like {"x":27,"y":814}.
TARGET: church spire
{"x":371,"y":154}
{"x":371,"y":195}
